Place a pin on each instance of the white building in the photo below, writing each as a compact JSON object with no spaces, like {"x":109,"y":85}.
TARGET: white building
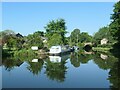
{"x":34,"y":47}
{"x":104,"y":41}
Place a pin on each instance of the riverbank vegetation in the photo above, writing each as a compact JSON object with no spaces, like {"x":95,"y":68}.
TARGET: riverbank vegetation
{"x":106,"y":39}
{"x":16,"y":48}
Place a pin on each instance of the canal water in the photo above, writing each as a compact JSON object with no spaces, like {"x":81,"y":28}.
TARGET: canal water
{"x":74,"y":70}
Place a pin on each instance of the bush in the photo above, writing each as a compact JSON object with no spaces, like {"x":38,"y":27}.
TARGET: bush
{"x":24,"y":54}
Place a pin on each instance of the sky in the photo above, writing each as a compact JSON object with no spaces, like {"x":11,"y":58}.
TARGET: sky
{"x":28,"y":17}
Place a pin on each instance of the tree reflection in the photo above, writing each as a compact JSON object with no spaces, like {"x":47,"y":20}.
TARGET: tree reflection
{"x":11,"y":63}
{"x":35,"y":67}
{"x":56,"y":70}
{"x":114,"y":76}
{"x":104,"y":63}
{"x":76,"y":58}
{"x":85,"y":57}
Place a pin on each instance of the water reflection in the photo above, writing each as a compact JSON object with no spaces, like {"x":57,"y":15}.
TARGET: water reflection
{"x":103,"y":56}
{"x":35,"y":67}
{"x":104,"y":63}
{"x":56,"y":67}
{"x":10,"y":63}
{"x":55,"y":59}
{"x":114,"y":76}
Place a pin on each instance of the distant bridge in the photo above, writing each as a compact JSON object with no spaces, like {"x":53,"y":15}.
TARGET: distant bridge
{"x":88,"y":43}
{"x":88,"y":46}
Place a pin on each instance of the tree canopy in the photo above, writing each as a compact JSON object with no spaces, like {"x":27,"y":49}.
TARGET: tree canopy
{"x":53,"y":28}
{"x":34,"y":39}
{"x":103,"y":32}
{"x":76,"y":38}
{"x":115,"y":24}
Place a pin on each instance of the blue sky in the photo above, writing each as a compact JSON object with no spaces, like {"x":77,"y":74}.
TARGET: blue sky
{"x":28,"y":17}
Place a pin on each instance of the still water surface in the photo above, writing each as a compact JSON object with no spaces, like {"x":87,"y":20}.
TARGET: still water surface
{"x":67,"y":71}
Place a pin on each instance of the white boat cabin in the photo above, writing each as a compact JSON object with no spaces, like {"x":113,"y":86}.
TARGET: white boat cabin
{"x":55,"y":50}
{"x":55,"y":59}
{"x":35,"y":60}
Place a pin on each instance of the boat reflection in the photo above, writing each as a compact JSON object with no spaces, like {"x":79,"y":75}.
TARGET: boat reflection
{"x":35,"y":60}
{"x":55,"y":59}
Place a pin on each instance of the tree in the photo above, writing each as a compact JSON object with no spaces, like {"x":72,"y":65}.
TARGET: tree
{"x":103,"y":32}
{"x":85,"y":37}
{"x":115,"y":26}
{"x":6,"y":32}
{"x":34,"y":40}
{"x":74,"y":37}
{"x":12,"y":42}
{"x":56,"y":27}
{"x":39,"y":33}
{"x":55,"y":39}
{"x":4,"y":35}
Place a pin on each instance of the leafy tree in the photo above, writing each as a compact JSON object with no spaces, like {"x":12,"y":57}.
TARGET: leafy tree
{"x":55,"y":39}
{"x":103,"y":32}
{"x":39,"y":33}
{"x":74,"y":37}
{"x":6,"y":32}
{"x":34,"y":40}
{"x":115,"y":26}
{"x":4,"y":35}
{"x":56,"y":27}
{"x":85,"y":37}
{"x":12,"y":42}
{"x":11,"y":39}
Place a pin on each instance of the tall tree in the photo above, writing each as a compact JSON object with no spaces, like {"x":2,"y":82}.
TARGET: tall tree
{"x":85,"y":37}
{"x":34,"y":40}
{"x":56,"y":27}
{"x":103,"y":32}
{"x":74,"y":37}
{"x":55,"y":39}
{"x":115,"y":25}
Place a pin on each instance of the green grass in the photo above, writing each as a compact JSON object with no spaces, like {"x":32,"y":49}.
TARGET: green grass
{"x":101,"y":49}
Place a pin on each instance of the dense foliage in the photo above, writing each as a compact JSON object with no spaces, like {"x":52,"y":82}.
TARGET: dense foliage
{"x":103,"y":32}
{"x":115,"y":26}
{"x":56,"y":29}
{"x":77,"y":39}
{"x":34,"y":39}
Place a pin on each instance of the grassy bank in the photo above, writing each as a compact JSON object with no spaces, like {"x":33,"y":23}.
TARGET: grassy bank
{"x":101,"y":49}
